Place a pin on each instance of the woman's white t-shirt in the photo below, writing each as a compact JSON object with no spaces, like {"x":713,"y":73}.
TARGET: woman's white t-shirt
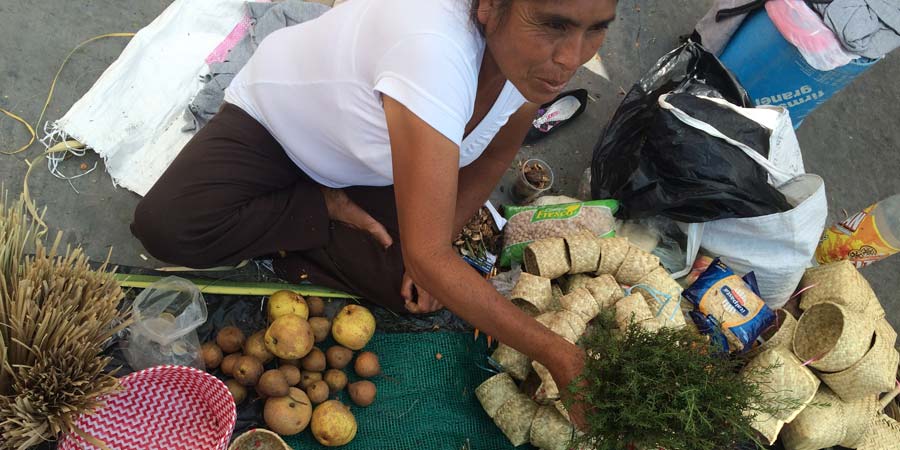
{"x":316,"y":86}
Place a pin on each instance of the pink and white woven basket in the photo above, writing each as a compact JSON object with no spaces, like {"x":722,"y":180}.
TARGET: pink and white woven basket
{"x":164,"y":407}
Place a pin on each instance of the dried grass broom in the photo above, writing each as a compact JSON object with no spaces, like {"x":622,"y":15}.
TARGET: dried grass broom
{"x":56,"y":317}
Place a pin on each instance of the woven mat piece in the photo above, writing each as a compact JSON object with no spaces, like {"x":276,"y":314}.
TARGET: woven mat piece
{"x":423,"y":402}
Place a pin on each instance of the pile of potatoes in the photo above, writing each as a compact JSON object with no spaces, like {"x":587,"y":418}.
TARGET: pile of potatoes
{"x":302,"y":386}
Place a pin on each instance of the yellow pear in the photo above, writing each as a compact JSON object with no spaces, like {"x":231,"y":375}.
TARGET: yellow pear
{"x":333,"y":424}
{"x":287,"y":302}
{"x":353,"y":326}
{"x":289,"y":337}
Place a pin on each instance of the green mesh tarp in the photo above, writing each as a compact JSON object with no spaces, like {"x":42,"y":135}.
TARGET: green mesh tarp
{"x":423,"y":402}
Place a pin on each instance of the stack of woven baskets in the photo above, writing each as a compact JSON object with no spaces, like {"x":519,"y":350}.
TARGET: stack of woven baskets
{"x":835,"y":364}
{"x":591,"y":271}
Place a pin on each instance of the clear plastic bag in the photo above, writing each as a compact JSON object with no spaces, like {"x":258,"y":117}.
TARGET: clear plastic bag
{"x":802,"y":27}
{"x":660,"y":236}
{"x":166,"y":316}
{"x":530,"y":223}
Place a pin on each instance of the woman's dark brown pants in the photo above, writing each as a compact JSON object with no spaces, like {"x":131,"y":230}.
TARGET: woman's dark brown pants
{"x":233,"y":194}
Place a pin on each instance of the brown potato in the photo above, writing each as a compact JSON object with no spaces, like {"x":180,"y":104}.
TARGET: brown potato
{"x":211,"y":354}
{"x":318,"y":392}
{"x":307,"y":378}
{"x":314,"y":361}
{"x":336,"y":379}
{"x":320,"y":327}
{"x":272,"y":383}
{"x":338,"y":356}
{"x":255,"y":346}
{"x":247,"y":370}
{"x":230,"y":339}
{"x":362,"y":392}
{"x":288,"y":415}
{"x":289,"y":362}
{"x":291,"y":373}
{"x":227,"y":366}
{"x":237,"y":390}
{"x":367,"y":365}
{"x":316,"y":306}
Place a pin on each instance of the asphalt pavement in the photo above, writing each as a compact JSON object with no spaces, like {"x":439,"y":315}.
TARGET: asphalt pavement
{"x":851,"y":141}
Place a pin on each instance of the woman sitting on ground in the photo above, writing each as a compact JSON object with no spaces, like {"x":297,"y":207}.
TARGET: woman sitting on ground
{"x":354,"y":147}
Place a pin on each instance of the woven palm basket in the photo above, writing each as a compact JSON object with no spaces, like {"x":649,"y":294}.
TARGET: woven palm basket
{"x":513,"y":361}
{"x":548,"y":258}
{"x":581,"y":302}
{"x":818,"y":426}
{"x":883,"y":434}
{"x":893,"y":407}
{"x":832,"y":337}
{"x":550,"y":429}
{"x":785,"y":378}
{"x":632,"y":308}
{"x":495,"y":391}
{"x":259,"y":439}
{"x":532,"y":293}
{"x":612,"y":254}
{"x":637,"y":264}
{"x":839,"y":283}
{"x":859,"y":416}
{"x":606,"y":290}
{"x":584,"y":252}
{"x":779,"y":335}
{"x":875,"y":373}
{"x":573,"y":282}
{"x":868,"y":427}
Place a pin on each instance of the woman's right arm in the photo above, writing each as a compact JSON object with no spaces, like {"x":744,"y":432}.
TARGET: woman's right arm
{"x":426,"y":167}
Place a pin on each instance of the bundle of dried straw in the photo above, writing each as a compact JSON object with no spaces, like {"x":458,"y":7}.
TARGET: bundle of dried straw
{"x":56,"y":317}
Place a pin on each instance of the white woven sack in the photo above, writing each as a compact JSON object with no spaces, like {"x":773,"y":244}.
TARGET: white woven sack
{"x":777,"y":247}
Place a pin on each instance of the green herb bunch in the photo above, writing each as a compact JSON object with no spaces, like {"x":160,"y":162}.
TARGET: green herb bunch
{"x":663,"y":389}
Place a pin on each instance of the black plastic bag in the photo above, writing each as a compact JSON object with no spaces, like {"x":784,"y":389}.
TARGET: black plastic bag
{"x":655,"y":165}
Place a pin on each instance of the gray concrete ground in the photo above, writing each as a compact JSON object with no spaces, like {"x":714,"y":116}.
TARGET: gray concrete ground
{"x":852,"y":141}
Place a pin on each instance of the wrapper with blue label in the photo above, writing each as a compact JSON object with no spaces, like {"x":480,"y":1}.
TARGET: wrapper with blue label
{"x":728,"y":307}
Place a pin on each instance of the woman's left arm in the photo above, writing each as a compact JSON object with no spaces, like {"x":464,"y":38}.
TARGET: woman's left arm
{"x":478,"y":180}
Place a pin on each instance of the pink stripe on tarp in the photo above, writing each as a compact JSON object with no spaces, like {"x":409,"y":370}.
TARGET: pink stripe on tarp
{"x":240,"y":30}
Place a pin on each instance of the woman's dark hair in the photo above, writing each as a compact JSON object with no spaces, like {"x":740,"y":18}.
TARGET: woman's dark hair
{"x":502,"y":6}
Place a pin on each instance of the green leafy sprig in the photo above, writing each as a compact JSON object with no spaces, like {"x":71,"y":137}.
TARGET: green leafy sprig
{"x":666,"y":389}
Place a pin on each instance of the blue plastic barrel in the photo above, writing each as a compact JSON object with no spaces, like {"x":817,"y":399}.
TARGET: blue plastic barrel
{"x":774,"y":72}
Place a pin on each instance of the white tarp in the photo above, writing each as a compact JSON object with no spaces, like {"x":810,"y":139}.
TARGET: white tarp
{"x":133,"y":115}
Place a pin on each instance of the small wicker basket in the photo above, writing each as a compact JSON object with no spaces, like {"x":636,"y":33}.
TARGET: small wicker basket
{"x":584,"y":252}
{"x":259,"y":439}
{"x":548,"y":258}
{"x":832,"y":337}
{"x":875,"y":373}
{"x":779,"y":335}
{"x":164,"y":408}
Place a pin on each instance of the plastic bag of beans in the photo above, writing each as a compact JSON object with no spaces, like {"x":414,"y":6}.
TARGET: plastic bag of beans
{"x":529,"y":223}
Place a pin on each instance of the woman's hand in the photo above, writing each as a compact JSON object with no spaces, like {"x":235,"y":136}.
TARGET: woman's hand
{"x":342,"y":209}
{"x":565,"y":370}
{"x":418,"y":301}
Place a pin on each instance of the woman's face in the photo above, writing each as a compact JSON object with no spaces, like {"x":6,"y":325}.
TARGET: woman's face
{"x":539,"y":44}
